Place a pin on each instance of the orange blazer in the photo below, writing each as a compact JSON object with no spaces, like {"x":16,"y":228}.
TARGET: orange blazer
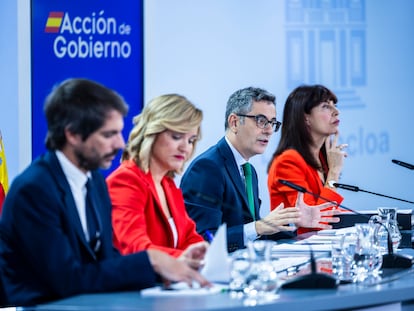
{"x":137,"y":218}
{"x":292,"y":167}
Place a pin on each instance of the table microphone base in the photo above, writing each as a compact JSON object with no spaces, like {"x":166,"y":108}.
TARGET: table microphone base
{"x":396,"y":261}
{"x":311,"y":281}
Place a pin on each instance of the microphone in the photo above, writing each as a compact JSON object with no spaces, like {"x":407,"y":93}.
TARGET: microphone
{"x":404,"y":164}
{"x":389,"y":260}
{"x":313,"y":280}
{"x":356,"y":189}
{"x":304,"y":190}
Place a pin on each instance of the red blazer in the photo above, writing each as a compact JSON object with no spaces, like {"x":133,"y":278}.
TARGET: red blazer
{"x":137,"y":218}
{"x":292,"y":167}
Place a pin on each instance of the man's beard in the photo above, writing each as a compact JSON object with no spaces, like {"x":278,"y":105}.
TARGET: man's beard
{"x":91,"y":163}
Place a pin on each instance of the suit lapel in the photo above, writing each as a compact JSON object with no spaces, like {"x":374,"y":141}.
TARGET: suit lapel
{"x":234,"y":173}
{"x":151,"y":187}
{"x":67,"y":198}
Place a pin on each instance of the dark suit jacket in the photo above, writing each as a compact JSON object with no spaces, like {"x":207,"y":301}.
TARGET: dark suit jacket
{"x":43,"y":251}
{"x":214,"y":193}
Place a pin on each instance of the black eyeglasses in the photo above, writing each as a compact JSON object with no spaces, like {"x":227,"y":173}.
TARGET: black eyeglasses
{"x":262,"y":122}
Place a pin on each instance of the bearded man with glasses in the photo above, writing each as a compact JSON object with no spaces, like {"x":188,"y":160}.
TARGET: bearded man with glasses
{"x":217,"y":188}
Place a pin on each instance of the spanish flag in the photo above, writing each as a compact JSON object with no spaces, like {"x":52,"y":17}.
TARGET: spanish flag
{"x":4,"y":179}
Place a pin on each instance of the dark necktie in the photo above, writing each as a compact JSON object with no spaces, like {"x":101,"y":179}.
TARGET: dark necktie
{"x":247,"y":169}
{"x":92,"y":217}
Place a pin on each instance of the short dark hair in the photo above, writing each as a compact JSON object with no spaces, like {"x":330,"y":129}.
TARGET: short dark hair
{"x":241,"y":101}
{"x":81,"y":105}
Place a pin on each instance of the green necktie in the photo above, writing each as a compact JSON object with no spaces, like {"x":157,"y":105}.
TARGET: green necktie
{"x":247,"y":169}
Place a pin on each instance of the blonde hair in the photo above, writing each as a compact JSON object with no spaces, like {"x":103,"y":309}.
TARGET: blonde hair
{"x":166,"y":112}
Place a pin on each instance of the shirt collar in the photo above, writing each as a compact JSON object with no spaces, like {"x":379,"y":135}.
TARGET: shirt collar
{"x":237,"y":156}
{"x":73,"y":174}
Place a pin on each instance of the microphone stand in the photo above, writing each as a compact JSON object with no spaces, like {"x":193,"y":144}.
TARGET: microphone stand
{"x":309,"y":281}
{"x":357,"y":189}
{"x":313,"y":280}
{"x":390,"y":260}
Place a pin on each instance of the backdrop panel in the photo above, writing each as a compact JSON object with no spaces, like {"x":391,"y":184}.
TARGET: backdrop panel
{"x":100,"y":40}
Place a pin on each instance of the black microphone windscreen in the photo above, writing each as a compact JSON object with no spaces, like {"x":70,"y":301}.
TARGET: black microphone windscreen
{"x":404,"y":164}
{"x":346,"y":187}
{"x":293,"y":185}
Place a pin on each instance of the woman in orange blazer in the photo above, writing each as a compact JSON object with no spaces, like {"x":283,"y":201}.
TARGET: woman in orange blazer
{"x":307,"y":154}
{"x":148,"y":209}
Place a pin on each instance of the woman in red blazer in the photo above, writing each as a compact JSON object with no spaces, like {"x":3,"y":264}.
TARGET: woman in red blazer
{"x":148,"y":208}
{"x":307,"y":154}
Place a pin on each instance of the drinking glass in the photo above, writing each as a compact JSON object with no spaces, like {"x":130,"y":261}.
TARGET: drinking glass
{"x":262,"y":282}
{"x":241,"y":263}
{"x":367,"y":257}
{"x":343,"y":251}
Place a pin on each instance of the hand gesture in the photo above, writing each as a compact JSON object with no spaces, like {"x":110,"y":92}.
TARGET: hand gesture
{"x":335,"y":155}
{"x":173,"y":270}
{"x":278,"y":220}
{"x":194,"y":254}
{"x":313,"y":216}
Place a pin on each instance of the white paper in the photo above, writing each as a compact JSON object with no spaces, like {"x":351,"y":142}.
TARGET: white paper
{"x":217,"y":266}
{"x":334,"y":232}
{"x":320,"y":239}
{"x":282,"y":264}
{"x":300,"y":248}
{"x":182,"y":289}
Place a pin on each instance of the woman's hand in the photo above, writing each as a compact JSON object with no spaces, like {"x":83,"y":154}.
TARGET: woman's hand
{"x":172,"y":270}
{"x":335,"y":157}
{"x":194,"y":254}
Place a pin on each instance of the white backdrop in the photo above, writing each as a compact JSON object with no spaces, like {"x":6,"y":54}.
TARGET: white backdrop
{"x":362,"y":50}
{"x":206,"y":49}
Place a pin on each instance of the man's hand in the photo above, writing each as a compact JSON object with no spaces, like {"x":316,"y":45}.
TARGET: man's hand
{"x":313,"y":217}
{"x":278,"y":220}
{"x":174,"y":270}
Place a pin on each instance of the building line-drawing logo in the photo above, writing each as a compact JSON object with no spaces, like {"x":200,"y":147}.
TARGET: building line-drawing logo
{"x":326,"y":43}
{"x":92,"y":36}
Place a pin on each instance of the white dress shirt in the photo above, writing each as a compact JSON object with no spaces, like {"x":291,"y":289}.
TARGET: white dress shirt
{"x":77,"y":182}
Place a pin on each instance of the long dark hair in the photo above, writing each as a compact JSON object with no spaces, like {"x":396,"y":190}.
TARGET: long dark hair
{"x":295,"y":134}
